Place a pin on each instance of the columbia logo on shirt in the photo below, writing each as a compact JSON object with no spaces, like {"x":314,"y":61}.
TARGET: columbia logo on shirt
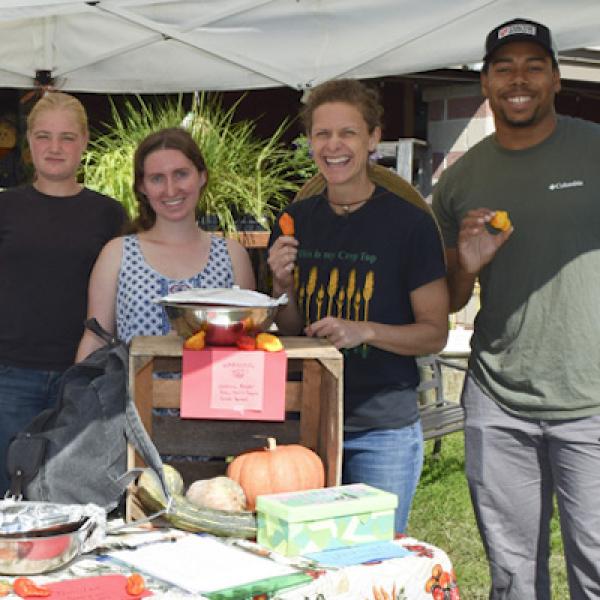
{"x":562,"y":185}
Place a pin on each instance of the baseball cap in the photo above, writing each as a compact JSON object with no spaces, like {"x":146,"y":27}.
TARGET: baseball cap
{"x":520,"y":30}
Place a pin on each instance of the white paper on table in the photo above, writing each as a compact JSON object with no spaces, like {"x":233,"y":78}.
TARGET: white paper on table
{"x":199,"y":563}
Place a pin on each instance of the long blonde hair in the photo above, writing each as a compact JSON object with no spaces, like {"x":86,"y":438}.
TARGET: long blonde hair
{"x":61,"y":101}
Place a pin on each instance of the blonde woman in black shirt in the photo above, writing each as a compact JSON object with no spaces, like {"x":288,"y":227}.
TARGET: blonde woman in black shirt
{"x":50,"y":235}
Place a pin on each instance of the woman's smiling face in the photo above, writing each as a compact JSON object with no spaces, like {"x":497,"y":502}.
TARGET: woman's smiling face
{"x":341,"y":143}
{"x":171,"y":183}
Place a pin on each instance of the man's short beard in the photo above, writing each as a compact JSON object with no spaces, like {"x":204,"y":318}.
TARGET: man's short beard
{"x":522,"y":124}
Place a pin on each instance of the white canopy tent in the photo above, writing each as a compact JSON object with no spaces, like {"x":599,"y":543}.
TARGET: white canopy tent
{"x":177,"y":45}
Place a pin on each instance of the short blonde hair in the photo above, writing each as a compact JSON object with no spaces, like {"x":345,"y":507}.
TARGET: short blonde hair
{"x":59,"y":101}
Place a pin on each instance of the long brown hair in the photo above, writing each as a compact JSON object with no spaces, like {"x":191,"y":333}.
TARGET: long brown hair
{"x":170,"y":138}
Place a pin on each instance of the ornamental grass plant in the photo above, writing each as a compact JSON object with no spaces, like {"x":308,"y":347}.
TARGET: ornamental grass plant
{"x":247,"y":175}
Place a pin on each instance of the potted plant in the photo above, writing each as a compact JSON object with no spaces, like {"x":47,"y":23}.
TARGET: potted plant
{"x":249,"y":177}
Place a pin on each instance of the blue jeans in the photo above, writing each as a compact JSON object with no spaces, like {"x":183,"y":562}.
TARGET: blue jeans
{"x":388,"y":459}
{"x":24,"y":393}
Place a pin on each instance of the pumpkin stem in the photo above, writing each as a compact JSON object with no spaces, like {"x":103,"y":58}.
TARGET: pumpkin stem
{"x":272,"y":444}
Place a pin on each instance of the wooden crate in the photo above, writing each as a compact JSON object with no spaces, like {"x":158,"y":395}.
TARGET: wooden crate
{"x":313,"y":408}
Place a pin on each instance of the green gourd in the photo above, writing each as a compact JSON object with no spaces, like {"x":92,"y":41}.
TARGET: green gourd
{"x":182,"y":514}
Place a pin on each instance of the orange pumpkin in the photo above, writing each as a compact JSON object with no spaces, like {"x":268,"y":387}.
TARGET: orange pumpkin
{"x":276,"y":469}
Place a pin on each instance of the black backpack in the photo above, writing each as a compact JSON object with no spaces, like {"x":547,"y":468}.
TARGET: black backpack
{"x":76,"y":452}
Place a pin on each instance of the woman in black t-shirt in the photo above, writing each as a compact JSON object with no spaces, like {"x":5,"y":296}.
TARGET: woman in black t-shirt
{"x":50,"y":235}
{"x":364,"y":269}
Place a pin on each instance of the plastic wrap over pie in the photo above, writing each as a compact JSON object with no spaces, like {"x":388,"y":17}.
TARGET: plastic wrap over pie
{"x":223,"y":297}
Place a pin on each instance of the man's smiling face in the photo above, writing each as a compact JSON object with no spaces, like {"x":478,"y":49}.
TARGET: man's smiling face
{"x":521,"y":84}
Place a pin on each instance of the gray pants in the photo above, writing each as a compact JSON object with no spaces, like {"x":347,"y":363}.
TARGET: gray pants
{"x":514,"y":466}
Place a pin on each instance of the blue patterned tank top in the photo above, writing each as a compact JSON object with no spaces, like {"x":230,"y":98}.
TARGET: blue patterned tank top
{"x":140,"y":285}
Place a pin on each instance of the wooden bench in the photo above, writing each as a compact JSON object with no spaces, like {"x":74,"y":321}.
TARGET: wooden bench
{"x":439,"y":416}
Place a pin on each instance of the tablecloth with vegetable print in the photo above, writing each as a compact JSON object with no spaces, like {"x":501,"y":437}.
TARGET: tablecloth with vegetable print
{"x":425,"y":574}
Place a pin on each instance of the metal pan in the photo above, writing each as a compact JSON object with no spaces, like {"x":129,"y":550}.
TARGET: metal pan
{"x":29,"y":554}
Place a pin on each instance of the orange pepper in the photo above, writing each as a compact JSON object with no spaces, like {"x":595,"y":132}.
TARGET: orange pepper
{"x":195,"y":342}
{"x":5,"y":588}
{"x":135,"y":584}
{"x":27,"y":588}
{"x":246,"y":342}
{"x":286,"y":224}
{"x":501,"y":221}
{"x":268,"y":342}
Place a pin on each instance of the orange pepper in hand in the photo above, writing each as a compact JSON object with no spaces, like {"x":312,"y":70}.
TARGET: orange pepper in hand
{"x":501,"y":221}
{"x":268,"y":342}
{"x":195,"y":342}
{"x":286,"y":224}
{"x":135,"y":584}
{"x":27,"y":588}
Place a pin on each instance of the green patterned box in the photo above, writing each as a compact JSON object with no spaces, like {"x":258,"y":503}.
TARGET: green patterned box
{"x":300,"y":522}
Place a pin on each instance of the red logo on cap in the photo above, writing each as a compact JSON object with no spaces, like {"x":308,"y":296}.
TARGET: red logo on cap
{"x":503,"y":32}
{"x":516,"y":29}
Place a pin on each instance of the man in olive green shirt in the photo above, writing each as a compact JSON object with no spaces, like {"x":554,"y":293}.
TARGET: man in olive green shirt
{"x":532,"y":397}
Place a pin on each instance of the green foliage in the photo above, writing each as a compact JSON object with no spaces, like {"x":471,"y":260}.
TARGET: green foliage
{"x":442,"y":515}
{"x":247,"y":175}
{"x":301,"y":158}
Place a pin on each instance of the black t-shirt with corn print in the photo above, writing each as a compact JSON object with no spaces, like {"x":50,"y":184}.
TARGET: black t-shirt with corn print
{"x":363,"y":266}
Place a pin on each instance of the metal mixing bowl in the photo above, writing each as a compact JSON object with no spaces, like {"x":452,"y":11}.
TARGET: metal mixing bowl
{"x":223,"y":325}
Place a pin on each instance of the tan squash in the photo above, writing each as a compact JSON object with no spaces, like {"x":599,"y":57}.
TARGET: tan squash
{"x":182,"y":514}
{"x":219,"y":492}
{"x":276,"y":469}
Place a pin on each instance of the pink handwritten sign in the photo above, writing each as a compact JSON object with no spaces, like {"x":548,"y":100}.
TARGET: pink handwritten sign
{"x":226,"y":383}
{"x":102,"y":587}
{"x":238,"y":382}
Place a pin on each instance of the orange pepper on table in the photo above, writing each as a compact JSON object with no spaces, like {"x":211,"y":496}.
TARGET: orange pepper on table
{"x":268,"y":342}
{"x":195,"y":342}
{"x":135,"y":584}
{"x":27,"y":588}
{"x":5,"y":588}
{"x":286,"y":224}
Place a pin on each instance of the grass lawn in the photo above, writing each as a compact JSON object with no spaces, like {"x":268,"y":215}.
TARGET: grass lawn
{"x":442,"y":515}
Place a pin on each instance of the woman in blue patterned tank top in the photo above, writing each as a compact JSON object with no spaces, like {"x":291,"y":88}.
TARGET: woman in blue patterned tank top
{"x":166,"y":251}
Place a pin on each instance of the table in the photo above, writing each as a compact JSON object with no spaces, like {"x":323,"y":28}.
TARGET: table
{"x":91,"y":566}
{"x":410,"y":574}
